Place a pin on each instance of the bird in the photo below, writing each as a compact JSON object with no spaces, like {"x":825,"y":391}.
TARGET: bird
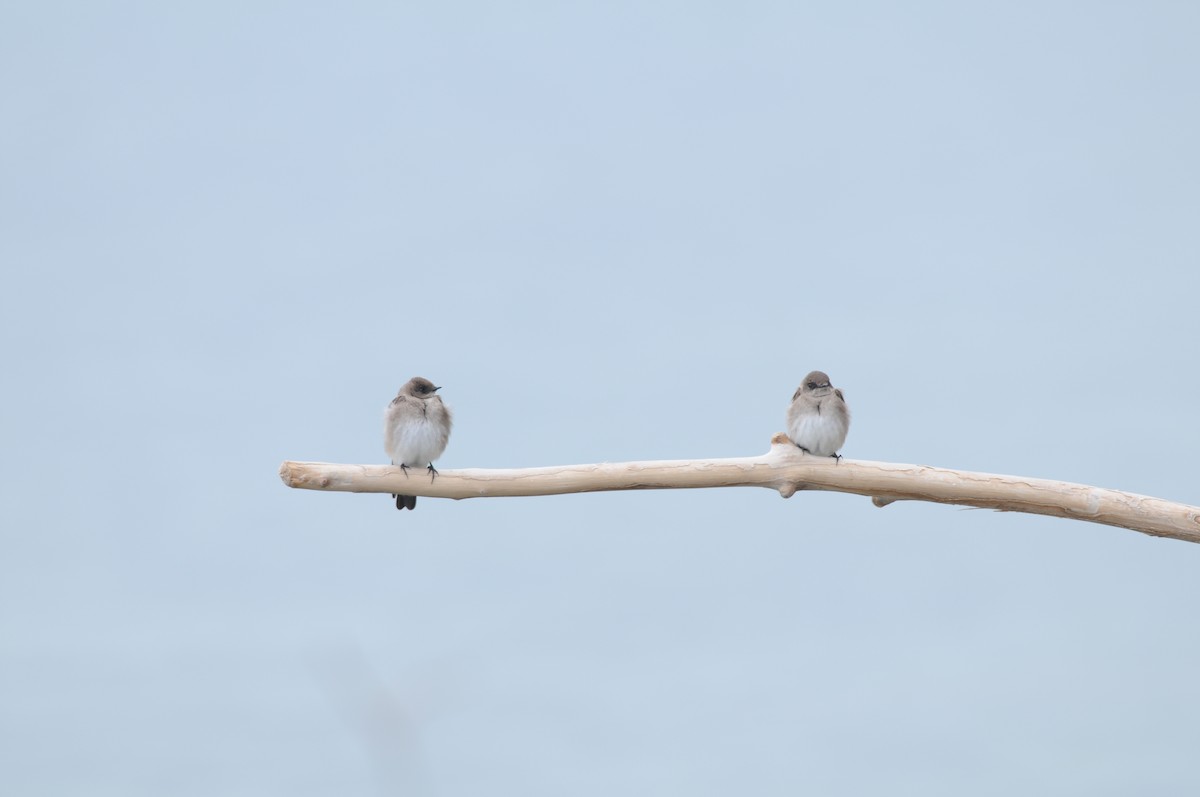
{"x":818,"y":418}
{"x":416,"y":428}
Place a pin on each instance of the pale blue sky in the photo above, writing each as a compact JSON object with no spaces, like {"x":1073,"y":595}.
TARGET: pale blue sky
{"x":612,"y":231}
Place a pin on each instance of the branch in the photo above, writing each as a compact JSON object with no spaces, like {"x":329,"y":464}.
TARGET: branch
{"x":784,"y":468}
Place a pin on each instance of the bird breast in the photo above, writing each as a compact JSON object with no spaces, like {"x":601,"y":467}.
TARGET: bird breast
{"x":416,"y":441}
{"x":821,"y":434}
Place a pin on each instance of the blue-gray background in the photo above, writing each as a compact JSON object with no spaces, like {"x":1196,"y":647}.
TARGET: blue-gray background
{"x":230,"y":231}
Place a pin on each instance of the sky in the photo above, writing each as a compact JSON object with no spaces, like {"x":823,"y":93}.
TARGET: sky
{"x":612,"y":231}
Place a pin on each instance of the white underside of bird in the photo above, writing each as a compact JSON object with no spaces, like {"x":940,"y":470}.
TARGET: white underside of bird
{"x":818,"y":434}
{"x":415,"y":442}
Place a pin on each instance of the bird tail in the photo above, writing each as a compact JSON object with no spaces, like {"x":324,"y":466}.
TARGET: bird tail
{"x":405,"y":501}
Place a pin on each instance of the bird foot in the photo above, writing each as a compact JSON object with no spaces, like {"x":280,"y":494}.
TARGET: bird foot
{"x":433,"y":474}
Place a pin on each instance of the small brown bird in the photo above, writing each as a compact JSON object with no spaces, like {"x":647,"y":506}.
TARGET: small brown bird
{"x":818,"y":418}
{"x":416,"y":428}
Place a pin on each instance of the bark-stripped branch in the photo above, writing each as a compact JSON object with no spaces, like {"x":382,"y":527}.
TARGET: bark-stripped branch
{"x":784,"y":468}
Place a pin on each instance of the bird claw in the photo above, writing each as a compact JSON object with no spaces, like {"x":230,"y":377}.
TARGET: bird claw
{"x":433,"y":473}
{"x":837,"y":457}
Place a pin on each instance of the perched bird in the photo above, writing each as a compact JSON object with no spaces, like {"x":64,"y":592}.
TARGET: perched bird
{"x":416,"y":426}
{"x":818,"y":419}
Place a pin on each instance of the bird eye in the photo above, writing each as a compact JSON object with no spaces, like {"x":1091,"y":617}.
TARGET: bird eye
{"x":812,"y":385}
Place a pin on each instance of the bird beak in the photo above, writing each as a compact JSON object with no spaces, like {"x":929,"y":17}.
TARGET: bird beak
{"x":436,"y":389}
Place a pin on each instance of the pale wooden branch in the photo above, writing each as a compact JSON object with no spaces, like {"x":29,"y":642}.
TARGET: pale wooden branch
{"x":784,"y":468}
